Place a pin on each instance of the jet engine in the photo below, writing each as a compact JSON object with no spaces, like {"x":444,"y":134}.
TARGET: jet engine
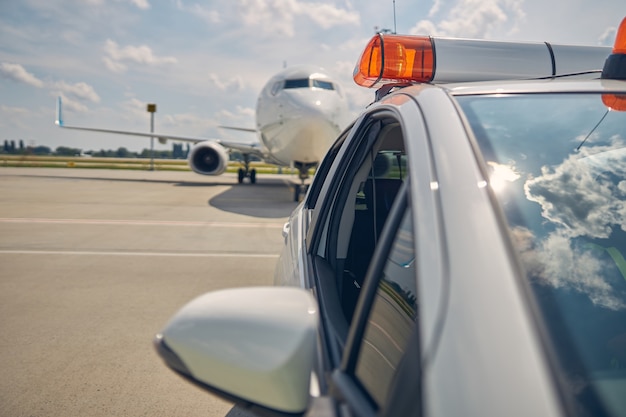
{"x":208,"y":158}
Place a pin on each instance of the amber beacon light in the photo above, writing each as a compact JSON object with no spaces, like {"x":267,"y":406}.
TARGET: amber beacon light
{"x":615,"y":68}
{"x":395,"y":59}
{"x":615,"y":65}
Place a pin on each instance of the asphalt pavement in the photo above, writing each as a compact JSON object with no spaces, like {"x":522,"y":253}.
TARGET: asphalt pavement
{"x":94,"y":262}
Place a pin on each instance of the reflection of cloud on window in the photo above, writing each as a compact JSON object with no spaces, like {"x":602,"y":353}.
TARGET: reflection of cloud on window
{"x":584,"y":199}
{"x":558,"y":262}
{"x":587,"y":200}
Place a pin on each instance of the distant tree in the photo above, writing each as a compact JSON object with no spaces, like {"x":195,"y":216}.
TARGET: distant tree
{"x":39,"y":150}
{"x":12,"y":147}
{"x":123,"y":153}
{"x":6,"y":147}
{"x":21,"y":145}
{"x":146,"y":153}
{"x":66,"y":151}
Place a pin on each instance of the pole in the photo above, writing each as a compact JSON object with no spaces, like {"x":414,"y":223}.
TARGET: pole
{"x":151,"y":109}
{"x":394,"y":17}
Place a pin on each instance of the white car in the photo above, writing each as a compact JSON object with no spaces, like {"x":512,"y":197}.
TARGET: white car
{"x":460,"y":250}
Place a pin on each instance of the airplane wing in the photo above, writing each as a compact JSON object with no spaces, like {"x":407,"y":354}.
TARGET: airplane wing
{"x":243,"y":147}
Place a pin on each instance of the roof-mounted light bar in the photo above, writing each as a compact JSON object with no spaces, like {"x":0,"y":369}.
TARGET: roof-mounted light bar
{"x":395,"y":59}
{"x":615,"y":65}
{"x":403,"y":59}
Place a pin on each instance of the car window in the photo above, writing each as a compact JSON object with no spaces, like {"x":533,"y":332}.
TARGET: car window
{"x":391,"y":319}
{"x":364,"y":201}
{"x":343,"y":229}
{"x":557,"y":166}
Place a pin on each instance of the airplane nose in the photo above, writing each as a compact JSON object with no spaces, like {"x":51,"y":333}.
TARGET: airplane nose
{"x":323,"y":105}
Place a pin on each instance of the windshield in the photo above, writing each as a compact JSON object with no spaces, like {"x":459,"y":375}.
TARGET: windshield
{"x":307,"y":83}
{"x":557,"y":164}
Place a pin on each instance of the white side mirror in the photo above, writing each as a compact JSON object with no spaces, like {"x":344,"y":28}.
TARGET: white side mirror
{"x":256,"y":345}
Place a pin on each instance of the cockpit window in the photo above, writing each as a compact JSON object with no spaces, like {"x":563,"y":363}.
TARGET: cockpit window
{"x":326,"y":85}
{"x":299,"y":83}
{"x":308,"y":83}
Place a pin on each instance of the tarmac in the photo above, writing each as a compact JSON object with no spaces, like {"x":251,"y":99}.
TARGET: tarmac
{"x":93,"y":263}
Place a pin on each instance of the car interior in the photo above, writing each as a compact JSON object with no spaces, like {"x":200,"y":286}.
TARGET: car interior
{"x":372,"y":192}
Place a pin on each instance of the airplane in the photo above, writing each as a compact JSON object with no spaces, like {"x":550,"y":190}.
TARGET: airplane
{"x":299,"y":113}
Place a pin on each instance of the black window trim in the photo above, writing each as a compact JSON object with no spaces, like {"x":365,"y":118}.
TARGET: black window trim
{"x":371,"y":133}
{"x":324,"y":168}
{"x":316,"y":228}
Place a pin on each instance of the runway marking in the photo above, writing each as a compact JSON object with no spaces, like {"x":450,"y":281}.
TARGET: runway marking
{"x":157,"y":254}
{"x":140,"y":222}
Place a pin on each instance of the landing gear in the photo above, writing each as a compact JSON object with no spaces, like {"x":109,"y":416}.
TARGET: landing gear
{"x":303,"y":173}
{"x":246,"y":172}
{"x":299,"y":192}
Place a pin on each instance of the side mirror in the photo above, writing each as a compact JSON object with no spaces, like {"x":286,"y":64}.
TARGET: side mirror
{"x":253,"y":346}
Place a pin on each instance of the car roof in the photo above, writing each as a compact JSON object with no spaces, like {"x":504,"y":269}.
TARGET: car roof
{"x":551,"y":85}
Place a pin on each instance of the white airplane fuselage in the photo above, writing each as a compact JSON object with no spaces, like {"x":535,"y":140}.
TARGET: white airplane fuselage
{"x":299,"y":113}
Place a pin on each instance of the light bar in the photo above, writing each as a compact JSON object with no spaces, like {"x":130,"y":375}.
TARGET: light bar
{"x":395,"y":59}
{"x":404,"y":59}
{"x":615,"y":65}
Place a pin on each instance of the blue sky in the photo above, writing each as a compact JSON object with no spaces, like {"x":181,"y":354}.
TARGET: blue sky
{"x":204,"y":62}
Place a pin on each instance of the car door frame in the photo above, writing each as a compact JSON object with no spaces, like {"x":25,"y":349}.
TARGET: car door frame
{"x":404,"y":109}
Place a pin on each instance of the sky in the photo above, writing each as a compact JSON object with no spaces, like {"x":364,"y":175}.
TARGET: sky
{"x":203,"y":63}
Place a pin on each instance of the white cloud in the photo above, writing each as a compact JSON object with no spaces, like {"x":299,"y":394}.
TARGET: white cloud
{"x":270,"y":15}
{"x":142,"y":4}
{"x":116,"y":56}
{"x":472,"y":18}
{"x":240,"y":113}
{"x":232,"y":84}
{"x":72,"y":105}
{"x":435,"y":8}
{"x":114,"y":66}
{"x":134,"y":109}
{"x":209,"y":15}
{"x":81,"y":90}
{"x":16,"y":72}
{"x":608,"y":37}
{"x":277,"y":16}
{"x":327,"y":15}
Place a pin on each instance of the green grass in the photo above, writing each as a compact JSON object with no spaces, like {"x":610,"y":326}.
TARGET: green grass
{"x":139,"y":164}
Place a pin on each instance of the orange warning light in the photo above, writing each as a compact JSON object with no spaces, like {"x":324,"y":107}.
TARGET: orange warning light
{"x":395,"y":59}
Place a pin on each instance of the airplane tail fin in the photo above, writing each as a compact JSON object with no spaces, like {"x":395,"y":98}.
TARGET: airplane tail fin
{"x":59,"y":120}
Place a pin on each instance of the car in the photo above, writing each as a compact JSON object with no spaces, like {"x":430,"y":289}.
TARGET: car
{"x":460,"y":250}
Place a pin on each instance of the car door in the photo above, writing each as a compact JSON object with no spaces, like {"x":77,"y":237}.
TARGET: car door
{"x":366,"y":265}
{"x":346,"y":221}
